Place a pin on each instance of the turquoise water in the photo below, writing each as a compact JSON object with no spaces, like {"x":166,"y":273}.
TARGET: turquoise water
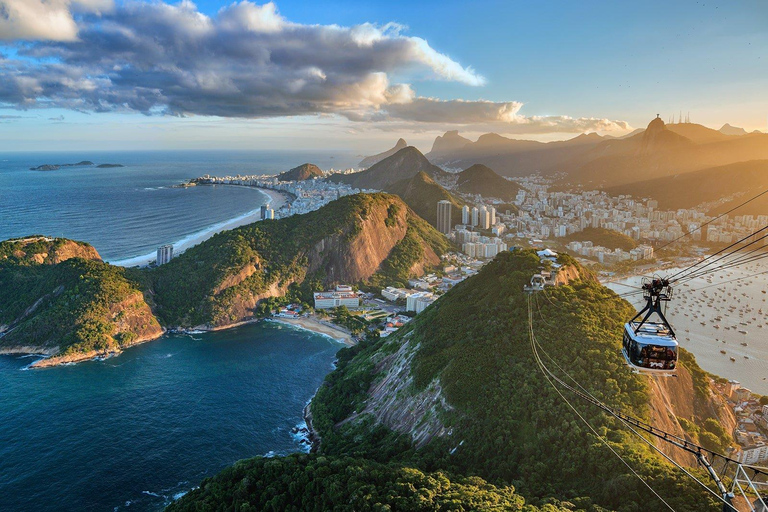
{"x":131,"y":432}
{"x":130,"y":211}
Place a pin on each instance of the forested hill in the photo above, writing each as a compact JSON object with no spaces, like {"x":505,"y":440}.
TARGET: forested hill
{"x":459,"y":390}
{"x":57,"y":297}
{"x":457,"y":394}
{"x":371,"y":238}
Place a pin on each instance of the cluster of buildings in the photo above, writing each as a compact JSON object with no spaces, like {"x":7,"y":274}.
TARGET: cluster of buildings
{"x":552,"y":214}
{"x":305,"y":196}
{"x":343,"y":295}
{"x":476,"y":245}
{"x":752,"y":429}
{"x":608,"y":256}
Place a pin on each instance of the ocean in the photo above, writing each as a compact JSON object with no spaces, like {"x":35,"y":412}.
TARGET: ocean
{"x":129,"y":211}
{"x":708,"y":314}
{"x":132,"y":432}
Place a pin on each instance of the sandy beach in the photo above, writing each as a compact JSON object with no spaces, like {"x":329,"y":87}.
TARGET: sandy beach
{"x":277,"y":200}
{"x":311,"y":323}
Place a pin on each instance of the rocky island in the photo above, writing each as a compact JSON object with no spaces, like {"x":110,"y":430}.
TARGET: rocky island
{"x":84,"y":163}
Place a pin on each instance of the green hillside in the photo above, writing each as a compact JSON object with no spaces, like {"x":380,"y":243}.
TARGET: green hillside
{"x":58,"y":296}
{"x":606,"y":237}
{"x":223,"y":280}
{"x":471,"y":357}
{"x":422,"y":194}
{"x":317,"y":483}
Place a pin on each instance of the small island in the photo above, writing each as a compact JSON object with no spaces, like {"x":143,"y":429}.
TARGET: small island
{"x":84,"y":163}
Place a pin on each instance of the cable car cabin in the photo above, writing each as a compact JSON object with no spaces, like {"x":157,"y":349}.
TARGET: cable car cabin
{"x":650,"y":349}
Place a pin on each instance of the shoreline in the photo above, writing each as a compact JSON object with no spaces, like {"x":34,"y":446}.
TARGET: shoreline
{"x":310,"y":323}
{"x":276,"y":201}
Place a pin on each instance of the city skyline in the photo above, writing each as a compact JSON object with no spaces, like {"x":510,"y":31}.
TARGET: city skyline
{"x":98,"y":74}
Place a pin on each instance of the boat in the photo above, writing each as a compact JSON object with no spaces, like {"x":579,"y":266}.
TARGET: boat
{"x":743,"y":343}
{"x":733,"y":359}
{"x":722,"y":351}
{"x":743,"y":331}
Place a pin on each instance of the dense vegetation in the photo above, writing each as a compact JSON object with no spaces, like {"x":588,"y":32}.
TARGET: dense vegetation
{"x":508,"y":425}
{"x":421,"y":193}
{"x":606,"y":237}
{"x":317,"y":483}
{"x":78,"y":305}
{"x":214,"y":281}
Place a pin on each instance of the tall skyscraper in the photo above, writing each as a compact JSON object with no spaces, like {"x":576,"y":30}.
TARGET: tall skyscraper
{"x":264,"y":209}
{"x":492,"y":210}
{"x":164,"y":254}
{"x":444,"y":216}
{"x":484,"y":218}
{"x":465,"y":215}
{"x":475,"y":215}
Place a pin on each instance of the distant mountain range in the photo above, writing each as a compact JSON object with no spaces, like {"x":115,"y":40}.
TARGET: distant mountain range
{"x":372,"y":160}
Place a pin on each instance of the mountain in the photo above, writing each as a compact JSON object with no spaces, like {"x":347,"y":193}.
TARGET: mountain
{"x":422,"y":194}
{"x":482,"y":180}
{"x":301,"y":173}
{"x":515,"y":157}
{"x":404,"y":164}
{"x":359,"y":238}
{"x":727,"y":129}
{"x":458,"y":390}
{"x":717,"y":189}
{"x":58,"y":298}
{"x":660,"y":151}
{"x":371,"y":160}
{"x":449,"y":142}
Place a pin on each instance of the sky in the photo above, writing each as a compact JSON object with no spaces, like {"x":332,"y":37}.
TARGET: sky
{"x":114,"y":74}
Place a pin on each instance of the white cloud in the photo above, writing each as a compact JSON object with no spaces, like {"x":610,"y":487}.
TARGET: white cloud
{"x":247,"y":61}
{"x":45,"y":19}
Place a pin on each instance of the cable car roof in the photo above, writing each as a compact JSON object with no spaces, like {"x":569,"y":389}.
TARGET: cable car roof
{"x":651,"y":333}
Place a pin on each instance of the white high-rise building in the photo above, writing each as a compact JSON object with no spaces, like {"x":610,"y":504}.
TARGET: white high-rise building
{"x":164,"y":254}
{"x":475,"y":216}
{"x":465,"y":215}
{"x":492,"y":210}
{"x":444,"y":216}
{"x":484,"y":218}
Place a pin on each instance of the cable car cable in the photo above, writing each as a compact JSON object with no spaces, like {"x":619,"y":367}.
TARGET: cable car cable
{"x":734,"y":244}
{"x":713,"y":220}
{"x":629,"y":421}
{"x":542,"y":367}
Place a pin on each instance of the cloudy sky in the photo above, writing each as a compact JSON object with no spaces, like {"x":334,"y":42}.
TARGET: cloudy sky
{"x":118,"y":74}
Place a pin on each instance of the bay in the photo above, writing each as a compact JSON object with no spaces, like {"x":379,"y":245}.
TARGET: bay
{"x":131,"y":432}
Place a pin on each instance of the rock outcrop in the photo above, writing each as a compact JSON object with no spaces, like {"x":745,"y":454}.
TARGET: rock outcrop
{"x":374,"y":159}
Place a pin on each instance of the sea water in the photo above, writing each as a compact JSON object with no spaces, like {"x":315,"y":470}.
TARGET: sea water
{"x":738,"y":297}
{"x":129,"y":211}
{"x":132,"y":432}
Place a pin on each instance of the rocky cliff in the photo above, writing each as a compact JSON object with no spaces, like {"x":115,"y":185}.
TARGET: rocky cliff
{"x":59,"y":299}
{"x":460,"y":388}
{"x":224,"y":280}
